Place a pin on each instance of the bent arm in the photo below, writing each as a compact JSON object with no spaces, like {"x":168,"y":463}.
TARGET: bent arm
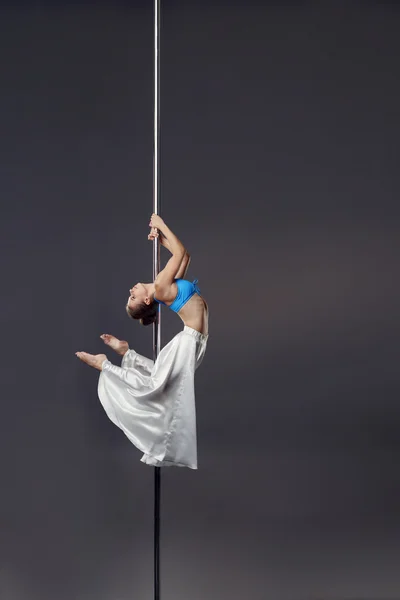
{"x":172,"y":243}
{"x":181,"y":273}
{"x":175,"y":267}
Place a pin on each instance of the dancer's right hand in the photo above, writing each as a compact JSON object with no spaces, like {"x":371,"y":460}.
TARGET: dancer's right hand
{"x":156,"y":221}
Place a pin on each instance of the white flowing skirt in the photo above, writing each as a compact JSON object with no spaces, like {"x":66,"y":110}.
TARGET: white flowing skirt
{"x":154,"y":403}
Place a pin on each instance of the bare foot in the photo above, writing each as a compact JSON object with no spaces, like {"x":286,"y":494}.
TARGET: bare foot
{"x":92,"y":360}
{"x":120,"y":346}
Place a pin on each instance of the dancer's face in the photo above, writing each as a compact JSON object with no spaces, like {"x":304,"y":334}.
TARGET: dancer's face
{"x":137,"y":295}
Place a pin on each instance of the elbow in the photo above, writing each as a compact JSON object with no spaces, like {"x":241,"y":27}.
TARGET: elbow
{"x":186,"y":258}
{"x":179,"y":250}
{"x":181,"y":253}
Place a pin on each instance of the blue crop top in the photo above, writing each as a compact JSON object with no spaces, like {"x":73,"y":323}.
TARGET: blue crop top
{"x":186,"y":290}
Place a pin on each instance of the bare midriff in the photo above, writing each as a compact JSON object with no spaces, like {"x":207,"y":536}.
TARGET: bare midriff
{"x":195,"y":314}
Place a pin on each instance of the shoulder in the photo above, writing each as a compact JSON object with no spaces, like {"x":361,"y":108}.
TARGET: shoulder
{"x":165,"y":293}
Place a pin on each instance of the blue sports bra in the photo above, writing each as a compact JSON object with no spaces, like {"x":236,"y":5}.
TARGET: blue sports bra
{"x":186,"y":290}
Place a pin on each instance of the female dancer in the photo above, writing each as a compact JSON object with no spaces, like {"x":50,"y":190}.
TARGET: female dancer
{"x":154,"y":402}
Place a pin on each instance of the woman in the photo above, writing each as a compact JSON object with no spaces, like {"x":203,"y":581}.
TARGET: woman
{"x":154,"y":402}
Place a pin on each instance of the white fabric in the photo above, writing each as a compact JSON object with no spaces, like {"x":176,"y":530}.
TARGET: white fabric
{"x":154,"y":403}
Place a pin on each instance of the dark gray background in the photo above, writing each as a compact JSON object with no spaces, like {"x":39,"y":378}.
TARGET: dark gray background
{"x":280,"y":126}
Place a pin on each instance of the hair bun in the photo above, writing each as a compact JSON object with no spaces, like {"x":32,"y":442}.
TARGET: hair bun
{"x":145,"y":314}
{"x":147,"y":320}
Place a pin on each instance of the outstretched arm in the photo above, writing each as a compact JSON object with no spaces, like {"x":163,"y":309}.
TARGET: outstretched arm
{"x":177,"y":264}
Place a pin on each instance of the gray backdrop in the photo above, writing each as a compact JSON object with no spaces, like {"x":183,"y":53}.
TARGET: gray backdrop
{"x":280,"y":126}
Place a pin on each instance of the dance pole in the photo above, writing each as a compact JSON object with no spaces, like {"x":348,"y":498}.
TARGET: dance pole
{"x":156,"y":269}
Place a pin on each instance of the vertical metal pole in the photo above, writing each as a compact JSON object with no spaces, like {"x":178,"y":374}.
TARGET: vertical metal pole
{"x":156,"y":269}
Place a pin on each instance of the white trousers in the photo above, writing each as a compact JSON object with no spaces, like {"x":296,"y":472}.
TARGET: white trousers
{"x":154,"y":403}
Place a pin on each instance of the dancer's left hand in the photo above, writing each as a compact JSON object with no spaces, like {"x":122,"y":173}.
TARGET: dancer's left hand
{"x":154,"y":233}
{"x":92,"y":360}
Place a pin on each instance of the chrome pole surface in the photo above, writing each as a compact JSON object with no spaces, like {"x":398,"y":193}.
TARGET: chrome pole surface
{"x":156,"y":269}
